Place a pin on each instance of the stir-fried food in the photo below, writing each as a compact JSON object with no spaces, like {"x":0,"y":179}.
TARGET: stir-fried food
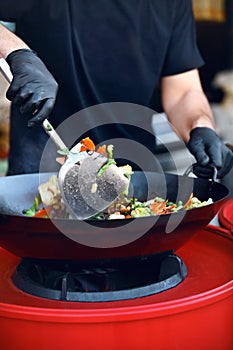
{"x":49,"y":203}
{"x":125,"y":208}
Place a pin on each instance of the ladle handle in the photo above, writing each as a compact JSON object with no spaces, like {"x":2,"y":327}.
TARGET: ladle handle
{"x":6,"y":72}
{"x":211,"y":167}
{"x":53,"y":135}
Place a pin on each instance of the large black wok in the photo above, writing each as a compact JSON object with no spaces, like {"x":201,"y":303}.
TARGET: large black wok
{"x":42,"y":239}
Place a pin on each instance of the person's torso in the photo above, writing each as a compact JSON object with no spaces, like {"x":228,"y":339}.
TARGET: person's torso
{"x":101,"y":51}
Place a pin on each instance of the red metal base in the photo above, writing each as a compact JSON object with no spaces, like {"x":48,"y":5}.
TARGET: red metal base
{"x":226,"y":215}
{"x":197,"y":314}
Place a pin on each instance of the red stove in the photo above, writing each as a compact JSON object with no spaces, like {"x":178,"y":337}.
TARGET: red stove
{"x":170,"y":287}
{"x":191,"y":308}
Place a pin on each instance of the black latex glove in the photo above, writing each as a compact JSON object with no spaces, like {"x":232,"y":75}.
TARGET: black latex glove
{"x":33,"y":88}
{"x":209,"y":151}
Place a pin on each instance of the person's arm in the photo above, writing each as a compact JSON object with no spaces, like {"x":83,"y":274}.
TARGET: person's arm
{"x":185,"y":103}
{"x":33,"y":89}
{"x":188,"y":110}
{"x":9,"y":42}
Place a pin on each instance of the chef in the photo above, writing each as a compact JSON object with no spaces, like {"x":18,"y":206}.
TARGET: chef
{"x":106,"y":51}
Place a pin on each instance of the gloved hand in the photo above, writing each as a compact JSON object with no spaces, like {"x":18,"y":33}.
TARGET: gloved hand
{"x":33,"y":88}
{"x":209,"y":151}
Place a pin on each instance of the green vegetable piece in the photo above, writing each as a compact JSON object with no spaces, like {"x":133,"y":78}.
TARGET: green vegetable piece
{"x":64,"y":151}
{"x":110,"y":151}
{"x":105,"y":167}
{"x":32,"y":211}
{"x":140,"y":212}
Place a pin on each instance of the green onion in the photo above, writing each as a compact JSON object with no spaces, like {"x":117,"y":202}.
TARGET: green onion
{"x":32,"y":211}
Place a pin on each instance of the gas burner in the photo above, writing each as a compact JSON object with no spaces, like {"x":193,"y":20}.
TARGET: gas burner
{"x":103,"y":281}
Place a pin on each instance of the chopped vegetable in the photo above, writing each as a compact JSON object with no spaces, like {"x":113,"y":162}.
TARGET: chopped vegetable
{"x":43,"y":213}
{"x":139,"y":212}
{"x":105,"y":167}
{"x":102,"y":150}
{"x":116,"y":216}
{"x":64,"y":151}
{"x":110,"y":151}
{"x":189,"y":202}
{"x":49,"y":191}
{"x":87,"y":145}
{"x":34,"y":208}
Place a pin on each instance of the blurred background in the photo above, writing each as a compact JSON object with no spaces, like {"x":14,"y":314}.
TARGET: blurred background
{"x":214,"y":23}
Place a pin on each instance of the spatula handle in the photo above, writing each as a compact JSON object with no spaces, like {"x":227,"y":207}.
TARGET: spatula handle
{"x":6,"y":72}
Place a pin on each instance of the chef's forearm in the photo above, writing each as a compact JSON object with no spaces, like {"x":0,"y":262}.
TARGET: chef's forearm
{"x":9,"y":42}
{"x":185,"y":103}
{"x":191,"y":111}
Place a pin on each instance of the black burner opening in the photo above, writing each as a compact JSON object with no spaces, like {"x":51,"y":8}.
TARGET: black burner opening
{"x":110,"y":280}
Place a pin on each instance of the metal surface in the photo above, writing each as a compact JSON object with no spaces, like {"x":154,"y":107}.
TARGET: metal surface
{"x":84,"y":192}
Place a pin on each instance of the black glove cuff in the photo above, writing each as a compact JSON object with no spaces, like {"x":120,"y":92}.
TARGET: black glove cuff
{"x":202,"y":129}
{"x":15,"y":52}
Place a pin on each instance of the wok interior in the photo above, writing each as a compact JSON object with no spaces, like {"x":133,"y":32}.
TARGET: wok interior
{"x":17,"y":192}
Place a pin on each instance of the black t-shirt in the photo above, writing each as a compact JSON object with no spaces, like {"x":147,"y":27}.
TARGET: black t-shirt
{"x":99,"y":52}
